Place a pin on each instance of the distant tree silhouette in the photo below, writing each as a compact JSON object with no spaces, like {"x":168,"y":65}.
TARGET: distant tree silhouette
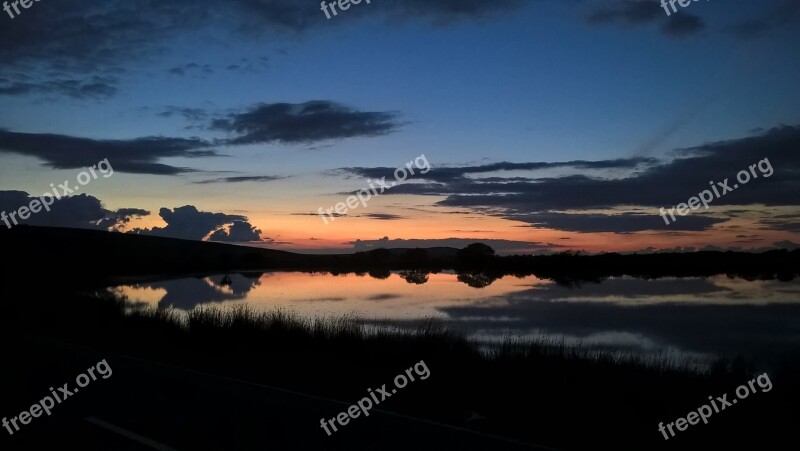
{"x":476,"y":279}
{"x":380,"y":274}
{"x":380,"y":256}
{"x":476,"y":250}
{"x":476,"y":255}
{"x":415,"y":276}
{"x":415,"y":258}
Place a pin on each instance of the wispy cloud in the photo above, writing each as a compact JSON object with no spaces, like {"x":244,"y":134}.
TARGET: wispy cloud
{"x":139,"y":156}
{"x":776,"y":16}
{"x":634,"y":13}
{"x":92,"y":88}
{"x":244,"y":179}
{"x":571,"y":201}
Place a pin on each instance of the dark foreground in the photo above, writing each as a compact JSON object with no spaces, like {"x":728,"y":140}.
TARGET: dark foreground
{"x":220,"y":382}
{"x":147,"y":405}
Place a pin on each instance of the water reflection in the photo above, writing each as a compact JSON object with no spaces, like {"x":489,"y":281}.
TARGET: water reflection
{"x":697,"y":316}
{"x":699,"y":319}
{"x":188,"y":293}
{"x":415,"y":277}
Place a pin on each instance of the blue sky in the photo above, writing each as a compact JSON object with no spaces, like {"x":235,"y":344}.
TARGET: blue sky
{"x":467,"y":83}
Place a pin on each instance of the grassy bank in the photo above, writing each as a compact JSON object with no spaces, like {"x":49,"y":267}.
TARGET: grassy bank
{"x":540,"y":391}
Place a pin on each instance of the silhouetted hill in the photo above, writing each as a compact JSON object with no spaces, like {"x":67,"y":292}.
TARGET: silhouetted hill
{"x":87,"y":255}
{"x":99,"y":253}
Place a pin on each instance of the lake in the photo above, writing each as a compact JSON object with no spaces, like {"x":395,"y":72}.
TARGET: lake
{"x":690,"y":317}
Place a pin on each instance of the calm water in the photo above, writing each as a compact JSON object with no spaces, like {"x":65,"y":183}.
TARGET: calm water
{"x":697,"y":317}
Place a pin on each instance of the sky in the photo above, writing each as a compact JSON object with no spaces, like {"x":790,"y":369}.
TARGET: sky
{"x":546,"y":125}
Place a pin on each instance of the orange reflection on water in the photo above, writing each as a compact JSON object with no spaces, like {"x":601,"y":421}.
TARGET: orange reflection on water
{"x":322,"y":294}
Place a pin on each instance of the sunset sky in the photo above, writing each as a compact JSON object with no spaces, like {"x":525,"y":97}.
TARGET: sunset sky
{"x":549,"y":125}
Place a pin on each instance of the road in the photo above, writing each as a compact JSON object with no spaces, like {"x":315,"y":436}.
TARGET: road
{"x":146,"y":405}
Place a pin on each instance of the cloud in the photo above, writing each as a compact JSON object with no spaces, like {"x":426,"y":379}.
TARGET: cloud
{"x":288,"y":14}
{"x":133,"y":212}
{"x":634,"y":13}
{"x":119,"y":220}
{"x":449,"y":11}
{"x":190,"y":114}
{"x":200,"y":70}
{"x":664,"y":185}
{"x":307,"y":122}
{"x":87,"y":39}
{"x":91,"y":38}
{"x":625,"y":12}
{"x":86,"y":212}
{"x":188,"y":223}
{"x":333,"y":214}
{"x":280,"y":122}
{"x":93,"y":88}
{"x":249,"y":66}
{"x":138,"y":156}
{"x":82,"y":211}
{"x":785,"y":14}
{"x":572,"y":199}
{"x":239,"y":231}
{"x":461,"y":173}
{"x":788,"y":223}
{"x":382,"y":216}
{"x":98,"y":32}
{"x":618,"y":223}
{"x":243,"y":179}
{"x":683,"y":25}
